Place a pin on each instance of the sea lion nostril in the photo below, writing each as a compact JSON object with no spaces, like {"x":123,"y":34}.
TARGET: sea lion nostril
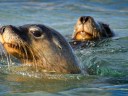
{"x":2,"y":29}
{"x":84,"y":19}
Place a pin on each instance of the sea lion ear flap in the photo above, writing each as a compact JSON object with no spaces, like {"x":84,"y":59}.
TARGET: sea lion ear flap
{"x":56,"y":42}
{"x":108,"y":30}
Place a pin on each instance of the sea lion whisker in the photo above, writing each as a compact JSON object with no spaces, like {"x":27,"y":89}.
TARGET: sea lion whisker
{"x":91,"y":30}
{"x":40,"y":55}
{"x":5,"y":53}
{"x":45,"y":60}
{"x":7,"y":57}
{"x":8,"y":60}
{"x":94,"y":30}
{"x":25,"y":51}
{"x":33,"y":58}
{"x":2,"y":53}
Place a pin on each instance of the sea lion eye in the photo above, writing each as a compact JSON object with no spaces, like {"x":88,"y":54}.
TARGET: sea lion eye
{"x":37,"y":33}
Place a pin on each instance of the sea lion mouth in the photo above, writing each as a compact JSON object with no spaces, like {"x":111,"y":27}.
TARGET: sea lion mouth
{"x":17,"y":50}
{"x":83,"y":35}
{"x":14,"y":46}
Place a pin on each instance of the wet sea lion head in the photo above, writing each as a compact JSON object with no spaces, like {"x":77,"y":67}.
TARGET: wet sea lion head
{"x":87,"y":28}
{"x":41,"y":46}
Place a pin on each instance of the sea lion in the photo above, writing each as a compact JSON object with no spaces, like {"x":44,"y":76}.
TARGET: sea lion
{"x":39,"y":46}
{"x":88,"y":32}
{"x":87,"y":28}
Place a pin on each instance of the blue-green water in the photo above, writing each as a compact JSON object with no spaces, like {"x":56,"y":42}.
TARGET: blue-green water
{"x":106,"y":63}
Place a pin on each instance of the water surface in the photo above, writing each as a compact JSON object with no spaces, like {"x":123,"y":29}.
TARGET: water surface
{"x":107,"y":63}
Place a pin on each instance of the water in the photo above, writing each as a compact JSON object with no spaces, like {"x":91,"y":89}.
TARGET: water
{"x":106,"y":63}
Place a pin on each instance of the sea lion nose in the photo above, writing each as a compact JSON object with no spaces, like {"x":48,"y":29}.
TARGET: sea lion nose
{"x":84,"y":19}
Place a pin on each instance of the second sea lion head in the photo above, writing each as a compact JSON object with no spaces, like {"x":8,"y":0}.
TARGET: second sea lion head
{"x":87,"y":28}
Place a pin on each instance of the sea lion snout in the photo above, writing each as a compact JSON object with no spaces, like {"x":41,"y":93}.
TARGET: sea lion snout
{"x":9,"y":29}
{"x":86,"y":28}
{"x":9,"y":34}
{"x":5,"y":33}
{"x":84,"y":19}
